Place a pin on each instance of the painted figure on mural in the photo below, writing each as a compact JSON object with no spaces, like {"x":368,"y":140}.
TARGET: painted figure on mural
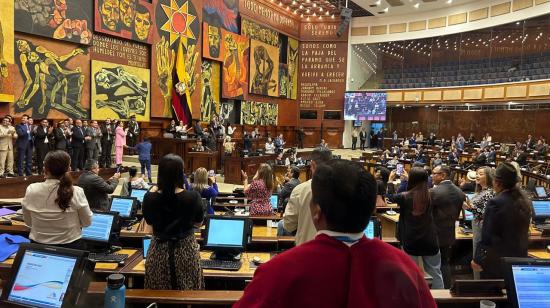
{"x":214,"y":41}
{"x":292,"y":68}
{"x":263,"y":80}
{"x":126,"y":93}
{"x":142,"y":23}
{"x":3,"y":62}
{"x":55,"y":18}
{"x":48,"y":82}
{"x":208,"y":105}
{"x":221,"y":13}
{"x":127,"y":13}
{"x":234,"y":68}
{"x":110,"y":14}
{"x":165,"y":66}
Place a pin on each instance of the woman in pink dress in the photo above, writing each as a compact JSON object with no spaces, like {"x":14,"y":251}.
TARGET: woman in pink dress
{"x":120,"y":142}
{"x":259,"y":191}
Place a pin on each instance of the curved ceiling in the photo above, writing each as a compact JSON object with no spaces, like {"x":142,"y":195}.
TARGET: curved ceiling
{"x":401,"y":7}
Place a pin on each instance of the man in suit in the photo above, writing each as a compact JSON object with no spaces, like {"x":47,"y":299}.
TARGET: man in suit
{"x":107,"y":136}
{"x":95,"y":188}
{"x":362,"y":139}
{"x":24,"y":146}
{"x":7,"y":134}
{"x":300,"y":135}
{"x":77,"y":144}
{"x":198,"y":130}
{"x":61,"y":137}
{"x":96,"y":140}
{"x":447,"y":200}
{"x":42,"y":136}
{"x":133,"y":134}
{"x":247,"y":142}
{"x":530,"y":142}
{"x":291,"y":180}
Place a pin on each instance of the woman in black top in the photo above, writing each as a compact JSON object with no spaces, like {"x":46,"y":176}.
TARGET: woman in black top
{"x":173,"y":260}
{"x":382,"y":176}
{"x":416,"y":228}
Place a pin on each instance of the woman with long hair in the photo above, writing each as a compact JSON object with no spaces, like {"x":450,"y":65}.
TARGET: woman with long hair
{"x":416,"y":227}
{"x":55,"y":210}
{"x":259,"y":191}
{"x":206,"y":186}
{"x":483,"y":193}
{"x":173,"y":260}
{"x":133,"y":182}
{"x":120,"y":142}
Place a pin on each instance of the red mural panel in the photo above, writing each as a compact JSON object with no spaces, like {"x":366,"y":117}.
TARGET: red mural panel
{"x":130,"y":19}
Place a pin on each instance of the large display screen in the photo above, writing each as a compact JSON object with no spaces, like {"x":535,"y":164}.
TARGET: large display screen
{"x":369,"y":106}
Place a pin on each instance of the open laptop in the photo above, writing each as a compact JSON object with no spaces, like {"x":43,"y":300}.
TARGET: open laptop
{"x":527,"y":282}
{"x":99,"y":236}
{"x":138,"y":193}
{"x":125,"y":206}
{"x":541,"y":211}
{"x":541,"y":192}
{"x":46,"y":276}
{"x":373,"y":229}
{"x":146,"y":244}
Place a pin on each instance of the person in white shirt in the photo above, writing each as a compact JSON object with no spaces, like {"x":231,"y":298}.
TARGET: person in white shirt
{"x":55,"y":210}
{"x":297,"y":216}
{"x":269,"y":146}
{"x":7,"y":135}
{"x":181,"y":129}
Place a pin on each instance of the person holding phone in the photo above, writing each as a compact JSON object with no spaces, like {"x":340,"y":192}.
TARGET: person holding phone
{"x":259,"y":191}
{"x":205,"y":184}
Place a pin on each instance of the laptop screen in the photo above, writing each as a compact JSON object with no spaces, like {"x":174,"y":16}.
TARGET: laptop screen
{"x":42,"y":279}
{"x":468,"y":215}
{"x":470,"y":196}
{"x":226,"y":233}
{"x":541,"y":192}
{"x":541,"y":208}
{"x":123,"y":206}
{"x":532,"y":283}
{"x":146,"y":243}
{"x":100,"y":229}
{"x":138,"y":194}
{"x":369,"y":231}
{"x":274,"y":201}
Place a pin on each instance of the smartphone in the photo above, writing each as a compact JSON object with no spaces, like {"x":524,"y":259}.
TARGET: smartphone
{"x":118,"y":169}
{"x":399,"y":169}
{"x":211,"y":173}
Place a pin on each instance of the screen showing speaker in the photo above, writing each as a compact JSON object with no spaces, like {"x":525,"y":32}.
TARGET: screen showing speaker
{"x":369,"y":106}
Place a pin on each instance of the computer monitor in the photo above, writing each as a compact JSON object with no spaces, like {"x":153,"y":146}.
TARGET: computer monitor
{"x":541,"y":209}
{"x":527,"y":282}
{"x":123,"y":205}
{"x":100,"y":230}
{"x":470,"y":196}
{"x":373,"y":229}
{"x":541,"y":192}
{"x":467,"y":215}
{"x":226,"y":236}
{"x":146,"y":243}
{"x":46,"y":276}
{"x":274,"y":201}
{"x":138,"y":193}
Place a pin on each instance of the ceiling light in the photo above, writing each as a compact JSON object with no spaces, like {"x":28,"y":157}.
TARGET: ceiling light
{"x":416,"y":5}
{"x":378,"y":2}
{"x":449,"y":1}
{"x":386,"y":9}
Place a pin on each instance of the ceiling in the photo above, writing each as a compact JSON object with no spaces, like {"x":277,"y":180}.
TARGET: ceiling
{"x":401,"y":7}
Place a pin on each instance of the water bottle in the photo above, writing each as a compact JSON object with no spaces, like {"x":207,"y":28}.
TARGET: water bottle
{"x":115,"y":292}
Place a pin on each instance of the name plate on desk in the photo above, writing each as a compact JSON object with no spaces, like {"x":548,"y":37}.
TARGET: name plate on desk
{"x":488,"y":287}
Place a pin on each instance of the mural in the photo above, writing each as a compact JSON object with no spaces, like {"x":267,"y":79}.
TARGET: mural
{"x":51,"y":82}
{"x":283,"y":81}
{"x":6,"y":51}
{"x":211,"y":37}
{"x":264,"y":69}
{"x":67,"y":20}
{"x":227,"y":111}
{"x":260,"y":33}
{"x":119,"y":91}
{"x":292,"y":61}
{"x":177,"y":20}
{"x":221,"y":14}
{"x":235,"y":49}
{"x":256,"y":113}
{"x":210,"y":99}
{"x":130,"y":19}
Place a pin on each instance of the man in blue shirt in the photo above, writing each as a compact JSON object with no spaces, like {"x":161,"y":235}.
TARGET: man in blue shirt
{"x":24,"y":146}
{"x":144,"y":154}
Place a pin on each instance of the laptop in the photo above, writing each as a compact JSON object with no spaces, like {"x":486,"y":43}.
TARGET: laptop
{"x":101,"y":229}
{"x":541,"y":211}
{"x":46,"y":276}
{"x":541,"y":192}
{"x":527,"y":282}
{"x":138,"y":193}
{"x":125,"y":206}
{"x":274,"y":202}
{"x":373,"y":229}
{"x":146,"y":243}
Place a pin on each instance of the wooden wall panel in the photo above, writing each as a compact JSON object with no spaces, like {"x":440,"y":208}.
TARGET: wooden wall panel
{"x":495,"y":92}
{"x":412,"y":96}
{"x":398,"y":28}
{"x":359,"y":31}
{"x":458,"y":19}
{"x":470,"y":94}
{"x":539,"y":2}
{"x":417,"y":25}
{"x":452,"y":95}
{"x":439,"y":22}
{"x":539,"y":89}
{"x":432,"y":96}
{"x":503,"y":125}
{"x":479,"y":14}
{"x":521,"y":4}
{"x":379,"y":30}
{"x":516,"y":91}
{"x":395,"y":96}
{"x":500,"y":9}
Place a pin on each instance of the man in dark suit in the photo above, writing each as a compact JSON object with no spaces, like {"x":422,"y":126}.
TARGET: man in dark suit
{"x":60,"y":137}
{"x":95,"y":188}
{"x":247,"y":142}
{"x":42,"y":143}
{"x":362,"y":139}
{"x":291,"y":181}
{"x":300,"y":137}
{"x":133,"y":134}
{"x":530,"y":142}
{"x":108,"y":134}
{"x":24,"y":146}
{"x":505,"y":231}
{"x":77,"y":144}
{"x":447,"y":200}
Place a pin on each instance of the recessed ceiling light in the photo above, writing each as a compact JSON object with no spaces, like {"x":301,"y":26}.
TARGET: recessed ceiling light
{"x":416,"y":5}
{"x":378,"y":2}
{"x":449,"y":1}
{"x":386,"y":9}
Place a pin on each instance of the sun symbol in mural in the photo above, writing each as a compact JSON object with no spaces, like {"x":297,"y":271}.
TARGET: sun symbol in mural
{"x":179,"y":22}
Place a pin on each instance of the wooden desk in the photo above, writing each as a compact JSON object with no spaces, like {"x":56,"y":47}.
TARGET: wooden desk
{"x":389,"y":227}
{"x":195,"y":160}
{"x":163,"y":146}
{"x":234,"y":165}
{"x":444,"y":296}
{"x":539,"y":253}
{"x":137,"y":267}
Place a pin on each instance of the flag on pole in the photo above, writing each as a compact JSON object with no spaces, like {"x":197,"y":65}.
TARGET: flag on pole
{"x":181,"y":99}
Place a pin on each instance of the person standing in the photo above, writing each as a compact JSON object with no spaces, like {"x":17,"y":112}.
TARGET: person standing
{"x":416,"y":228}
{"x":362,"y":139}
{"x":60,"y":137}
{"x":447,"y":200}
{"x":120,"y":142}
{"x":300,"y":138}
{"x":354,"y":135}
{"x":144,"y":154}
{"x":42,"y":143}
{"x":77,"y":145}
{"x":107,"y":136}
{"x":97,"y":190}
{"x":505,"y":230}
{"x":394,"y":138}
{"x":259,"y":191}
{"x":24,"y":146}
{"x":7,"y":134}
{"x":132,"y":133}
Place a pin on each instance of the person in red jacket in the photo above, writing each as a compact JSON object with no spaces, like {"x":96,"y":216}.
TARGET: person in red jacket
{"x":340,"y":267}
